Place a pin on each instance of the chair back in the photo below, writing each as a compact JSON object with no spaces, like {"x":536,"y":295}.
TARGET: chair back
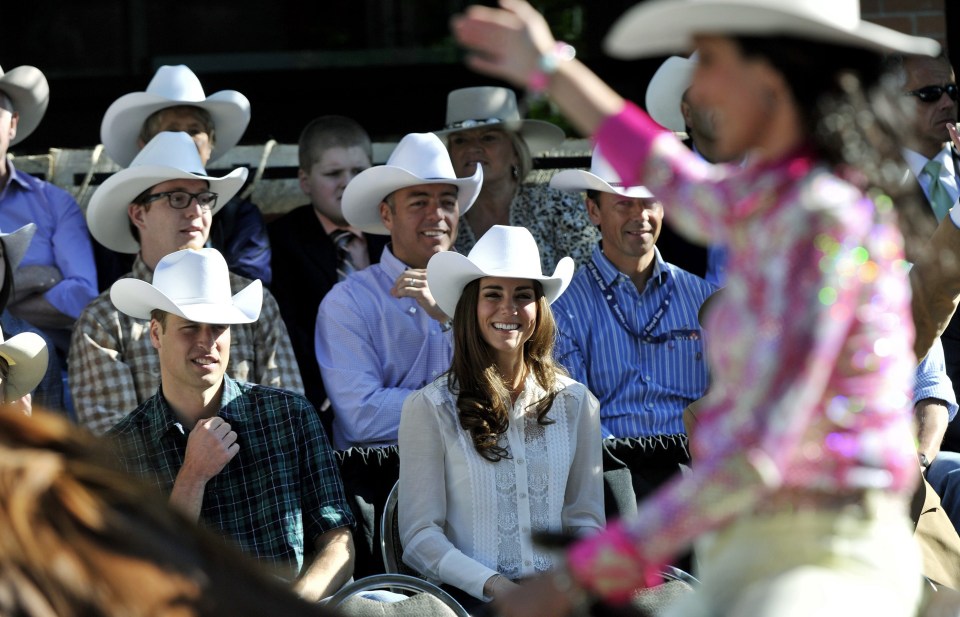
{"x":426,"y":600}
{"x":390,"y":546}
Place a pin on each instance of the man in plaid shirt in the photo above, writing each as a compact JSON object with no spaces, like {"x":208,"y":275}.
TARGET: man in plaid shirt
{"x":153,"y":208}
{"x":248,"y":461}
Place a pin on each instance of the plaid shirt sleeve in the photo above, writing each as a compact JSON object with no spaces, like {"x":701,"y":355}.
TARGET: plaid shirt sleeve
{"x":276,"y":363}
{"x":101,"y":382}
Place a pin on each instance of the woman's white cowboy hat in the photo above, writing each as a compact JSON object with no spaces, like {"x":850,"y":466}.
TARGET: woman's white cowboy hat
{"x":485,"y":106}
{"x":503,"y":251}
{"x":172,"y":86}
{"x":27,"y":89}
{"x":665,"y":91}
{"x":16,"y":243}
{"x":168,"y":156}
{"x":27,"y":356}
{"x":193,"y":284}
{"x":419,"y":158}
{"x":661,"y":27}
{"x":601,"y":177}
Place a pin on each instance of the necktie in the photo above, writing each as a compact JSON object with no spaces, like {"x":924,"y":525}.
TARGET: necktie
{"x":345,"y":266}
{"x":940,"y":199}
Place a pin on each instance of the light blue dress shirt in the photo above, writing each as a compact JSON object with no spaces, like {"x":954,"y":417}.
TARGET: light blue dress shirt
{"x":61,"y":240}
{"x":932,"y":380}
{"x":643,"y":387}
{"x":374,"y":350}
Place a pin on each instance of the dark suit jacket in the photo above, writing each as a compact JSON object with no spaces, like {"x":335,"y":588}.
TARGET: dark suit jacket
{"x":304,"y":269}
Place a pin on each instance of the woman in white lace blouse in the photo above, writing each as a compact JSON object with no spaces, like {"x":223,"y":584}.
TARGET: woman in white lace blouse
{"x":504,"y":444}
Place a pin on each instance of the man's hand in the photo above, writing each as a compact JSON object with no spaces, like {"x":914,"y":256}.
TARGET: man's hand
{"x":210,"y":446}
{"x":412,"y":283}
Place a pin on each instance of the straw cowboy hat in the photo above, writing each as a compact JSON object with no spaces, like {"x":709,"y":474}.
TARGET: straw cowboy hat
{"x":601,"y":177}
{"x":172,"y":86}
{"x":193,"y":284}
{"x":26,"y":355}
{"x":27,"y":89}
{"x":16,"y":243}
{"x":665,"y":91}
{"x":660,"y":27}
{"x":168,"y":156}
{"x":470,"y":108}
{"x":503,"y":251}
{"x":419,"y":158}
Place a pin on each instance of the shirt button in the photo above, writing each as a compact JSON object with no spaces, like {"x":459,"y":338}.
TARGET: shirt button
{"x":523,"y":495}
{"x":649,"y":405}
{"x":525,"y":529}
{"x":647,"y":377}
{"x":412,"y":310}
{"x":519,"y":461}
{"x":527,"y":563}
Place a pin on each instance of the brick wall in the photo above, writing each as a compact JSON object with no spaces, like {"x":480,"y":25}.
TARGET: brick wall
{"x":918,"y":17}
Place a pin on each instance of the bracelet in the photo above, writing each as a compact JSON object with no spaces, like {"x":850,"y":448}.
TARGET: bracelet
{"x":547,"y":66}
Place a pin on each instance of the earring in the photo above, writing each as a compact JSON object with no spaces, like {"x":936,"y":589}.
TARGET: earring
{"x":516,"y":172}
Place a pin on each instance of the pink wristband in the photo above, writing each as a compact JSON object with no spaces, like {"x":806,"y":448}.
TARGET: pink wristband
{"x":547,"y":66}
{"x":610,"y":566}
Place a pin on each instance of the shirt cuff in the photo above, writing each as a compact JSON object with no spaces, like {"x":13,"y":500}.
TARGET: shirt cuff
{"x":625,"y":140}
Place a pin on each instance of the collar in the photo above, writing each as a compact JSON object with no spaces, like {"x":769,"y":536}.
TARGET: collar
{"x":162,"y":419}
{"x":915,"y":161}
{"x":390,"y":265}
{"x":15,"y":176}
{"x":611,"y":275}
{"x":329,"y":226}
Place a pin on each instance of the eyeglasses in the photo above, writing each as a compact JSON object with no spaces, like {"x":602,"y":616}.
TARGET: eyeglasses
{"x":179,"y":200}
{"x":470,"y":124}
{"x":932,"y":94}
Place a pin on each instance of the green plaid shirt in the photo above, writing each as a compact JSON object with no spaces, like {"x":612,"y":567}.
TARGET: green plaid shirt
{"x":279,"y":493}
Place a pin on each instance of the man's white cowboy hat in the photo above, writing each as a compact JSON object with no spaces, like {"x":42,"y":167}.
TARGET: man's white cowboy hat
{"x":16,"y":243}
{"x":503,"y":251}
{"x":661,"y":27}
{"x":601,"y":177}
{"x":485,"y":106}
{"x":665,"y":91}
{"x":172,"y":86}
{"x":193,"y":284}
{"x":27,"y":89}
{"x":168,"y":156}
{"x":27,"y":356}
{"x":419,"y":158}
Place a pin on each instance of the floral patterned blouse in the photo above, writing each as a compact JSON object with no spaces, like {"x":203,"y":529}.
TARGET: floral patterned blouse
{"x":557,"y":219}
{"x":809,"y":344}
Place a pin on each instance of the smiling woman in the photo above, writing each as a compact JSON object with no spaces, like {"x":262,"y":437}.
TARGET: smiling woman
{"x":504,"y":434}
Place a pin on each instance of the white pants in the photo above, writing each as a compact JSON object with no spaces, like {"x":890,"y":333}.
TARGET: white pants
{"x":860,"y":561}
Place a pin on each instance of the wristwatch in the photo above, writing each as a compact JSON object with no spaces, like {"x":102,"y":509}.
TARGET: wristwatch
{"x":924,"y":461}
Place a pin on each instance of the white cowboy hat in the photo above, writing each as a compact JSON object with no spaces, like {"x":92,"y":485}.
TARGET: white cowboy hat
{"x":172,"y":86}
{"x":470,"y":108}
{"x":660,"y":27}
{"x":15,"y":243}
{"x":27,"y":89}
{"x":665,"y":91}
{"x":601,"y":177}
{"x":193,"y":284}
{"x":503,"y":251}
{"x":168,"y":156}
{"x":27,"y":356}
{"x":419,"y":158}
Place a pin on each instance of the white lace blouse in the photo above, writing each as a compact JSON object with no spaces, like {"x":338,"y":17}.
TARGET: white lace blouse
{"x":463,"y":518}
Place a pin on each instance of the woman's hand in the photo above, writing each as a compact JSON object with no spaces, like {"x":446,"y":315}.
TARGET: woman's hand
{"x":506,"y":43}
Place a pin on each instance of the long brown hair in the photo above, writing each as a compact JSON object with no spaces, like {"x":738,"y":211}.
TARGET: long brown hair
{"x":483,"y":401}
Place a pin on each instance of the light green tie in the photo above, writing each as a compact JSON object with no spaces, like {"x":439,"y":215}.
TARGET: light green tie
{"x":940,"y":199}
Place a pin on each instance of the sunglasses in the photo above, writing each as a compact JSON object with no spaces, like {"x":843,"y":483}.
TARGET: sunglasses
{"x":932,"y":94}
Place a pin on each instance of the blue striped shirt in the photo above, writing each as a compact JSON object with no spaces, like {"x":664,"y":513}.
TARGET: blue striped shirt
{"x":643,"y":388}
{"x":933,"y":381}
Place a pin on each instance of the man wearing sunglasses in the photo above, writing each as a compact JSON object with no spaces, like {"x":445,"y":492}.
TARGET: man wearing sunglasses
{"x":163,"y":202}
